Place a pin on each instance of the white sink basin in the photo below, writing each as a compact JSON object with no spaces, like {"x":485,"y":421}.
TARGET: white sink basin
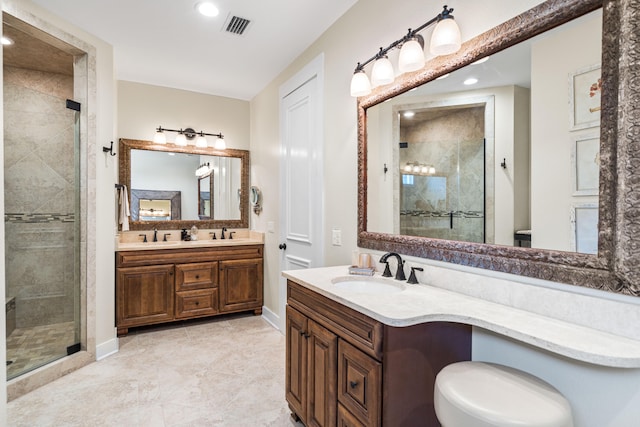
{"x":368,"y":285}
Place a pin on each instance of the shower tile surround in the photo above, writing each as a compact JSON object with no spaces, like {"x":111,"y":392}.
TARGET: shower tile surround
{"x":449,"y":141}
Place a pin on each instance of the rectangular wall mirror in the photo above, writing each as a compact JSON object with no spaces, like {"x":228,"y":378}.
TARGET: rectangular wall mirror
{"x":169,"y":190}
{"x":534,"y":154}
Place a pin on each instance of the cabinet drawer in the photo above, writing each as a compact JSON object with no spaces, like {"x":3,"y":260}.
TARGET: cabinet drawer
{"x":359,"y":384}
{"x":357,"y":328}
{"x":196,"y":276}
{"x":347,"y":419}
{"x":201,"y":302}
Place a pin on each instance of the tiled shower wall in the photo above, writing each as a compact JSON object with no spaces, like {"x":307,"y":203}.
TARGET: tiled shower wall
{"x":39,"y":196}
{"x":448,"y":142}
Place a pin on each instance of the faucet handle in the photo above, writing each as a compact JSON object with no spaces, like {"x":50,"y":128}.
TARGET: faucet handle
{"x":400,"y":272}
{"x":145,"y":237}
{"x":164,"y":239}
{"x":213,"y":233}
{"x":387,"y":270}
{"x":412,"y":277}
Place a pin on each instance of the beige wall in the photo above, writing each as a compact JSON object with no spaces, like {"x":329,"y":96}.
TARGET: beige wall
{"x":142,"y":108}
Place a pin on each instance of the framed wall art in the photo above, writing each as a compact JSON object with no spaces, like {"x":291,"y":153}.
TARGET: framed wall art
{"x":584,"y":98}
{"x":585,"y":164}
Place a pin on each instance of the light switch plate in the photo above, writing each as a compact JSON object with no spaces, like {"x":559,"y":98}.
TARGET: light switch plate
{"x":336,"y":237}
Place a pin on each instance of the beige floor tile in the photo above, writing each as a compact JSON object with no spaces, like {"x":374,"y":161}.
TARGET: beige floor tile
{"x":216,"y":372}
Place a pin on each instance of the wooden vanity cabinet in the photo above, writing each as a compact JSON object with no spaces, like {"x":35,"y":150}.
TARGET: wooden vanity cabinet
{"x":346,"y":369}
{"x":158,"y":286}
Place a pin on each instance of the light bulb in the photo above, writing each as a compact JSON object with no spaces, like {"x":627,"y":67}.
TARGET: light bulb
{"x":445,"y":39}
{"x":432,"y":170}
{"x":181,"y":139}
{"x":201,"y":141}
{"x":220,"y":144}
{"x":411,"y":56}
{"x":407,"y":168}
{"x":360,"y":85}
{"x":416,"y":168}
{"x":424,"y":169}
{"x":382,"y":72}
{"x":160,"y":137}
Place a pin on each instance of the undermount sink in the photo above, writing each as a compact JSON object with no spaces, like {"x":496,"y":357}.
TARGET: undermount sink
{"x":368,"y":285}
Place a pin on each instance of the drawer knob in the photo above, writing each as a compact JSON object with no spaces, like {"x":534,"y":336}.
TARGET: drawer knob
{"x":197,"y":302}
{"x":197,"y":277}
{"x":353,"y":384}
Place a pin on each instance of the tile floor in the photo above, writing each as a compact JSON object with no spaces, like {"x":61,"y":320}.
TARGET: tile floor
{"x":30,"y":348}
{"x":220,"y":372}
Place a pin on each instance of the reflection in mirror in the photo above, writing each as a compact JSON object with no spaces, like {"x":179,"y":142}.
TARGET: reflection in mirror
{"x":204,"y":201}
{"x":155,"y":210}
{"x":494,"y":162}
{"x":213,"y":198}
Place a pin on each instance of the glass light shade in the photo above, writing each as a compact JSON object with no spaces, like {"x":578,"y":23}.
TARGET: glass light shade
{"x":220,"y":144}
{"x":416,"y":168}
{"x":407,"y":168}
{"x":411,"y":57}
{"x":432,"y":170}
{"x":201,"y":141}
{"x":160,"y":138}
{"x":424,"y":169}
{"x":445,"y":39}
{"x":181,"y":139}
{"x":360,"y":85}
{"x":382,"y":72}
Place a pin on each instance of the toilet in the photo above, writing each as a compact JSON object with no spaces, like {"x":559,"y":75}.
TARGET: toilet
{"x":480,"y":394}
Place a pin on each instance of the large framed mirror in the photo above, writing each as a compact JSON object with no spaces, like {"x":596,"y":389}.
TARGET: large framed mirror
{"x":539,"y":154}
{"x":210,"y":186}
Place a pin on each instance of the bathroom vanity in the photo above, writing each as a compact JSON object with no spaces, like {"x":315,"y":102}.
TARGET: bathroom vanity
{"x":366,"y":353}
{"x":169,"y":281}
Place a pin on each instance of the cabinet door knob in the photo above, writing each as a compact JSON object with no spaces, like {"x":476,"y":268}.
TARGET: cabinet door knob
{"x":197,"y":302}
{"x":353,"y":384}
{"x":171,"y":273}
{"x":197,"y":276}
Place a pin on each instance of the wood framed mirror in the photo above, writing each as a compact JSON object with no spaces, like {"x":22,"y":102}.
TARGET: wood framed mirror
{"x":150,"y":168}
{"x":618,"y":196}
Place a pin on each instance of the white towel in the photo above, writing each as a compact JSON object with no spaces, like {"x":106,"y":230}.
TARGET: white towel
{"x":123,"y":211}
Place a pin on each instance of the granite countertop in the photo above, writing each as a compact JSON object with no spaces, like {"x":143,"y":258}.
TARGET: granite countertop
{"x":422,"y":303}
{"x":130,"y":241}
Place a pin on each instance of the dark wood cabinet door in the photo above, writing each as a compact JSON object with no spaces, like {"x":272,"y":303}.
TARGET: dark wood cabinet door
{"x":359,"y":384}
{"x":241,"y":284}
{"x":321,"y":376}
{"x":145,"y":295}
{"x":296,"y":362}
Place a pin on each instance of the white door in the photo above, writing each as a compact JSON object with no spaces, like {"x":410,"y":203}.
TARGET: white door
{"x":301,"y":212}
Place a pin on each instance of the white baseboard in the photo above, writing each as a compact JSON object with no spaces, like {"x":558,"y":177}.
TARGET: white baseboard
{"x":107,"y":348}
{"x":271,"y":317}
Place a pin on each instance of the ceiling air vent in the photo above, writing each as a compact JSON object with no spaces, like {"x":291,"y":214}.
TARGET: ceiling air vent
{"x":237,"y":25}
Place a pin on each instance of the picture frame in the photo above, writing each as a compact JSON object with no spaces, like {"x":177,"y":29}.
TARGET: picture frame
{"x":584,"y":228}
{"x":585,"y":164}
{"x":584,"y":98}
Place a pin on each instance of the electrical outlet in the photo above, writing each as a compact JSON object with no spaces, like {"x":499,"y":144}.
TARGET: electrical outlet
{"x":336,"y":237}
{"x":271,"y":228}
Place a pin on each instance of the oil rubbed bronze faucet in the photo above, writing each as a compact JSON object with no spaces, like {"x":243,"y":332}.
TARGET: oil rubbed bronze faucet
{"x":399,"y":272}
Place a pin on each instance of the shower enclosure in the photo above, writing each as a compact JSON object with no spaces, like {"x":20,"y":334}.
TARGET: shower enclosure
{"x":42,"y":202}
{"x":443,"y":196}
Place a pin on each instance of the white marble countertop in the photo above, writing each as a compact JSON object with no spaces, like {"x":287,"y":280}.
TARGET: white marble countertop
{"x":424,"y":303}
{"x":131,"y":241}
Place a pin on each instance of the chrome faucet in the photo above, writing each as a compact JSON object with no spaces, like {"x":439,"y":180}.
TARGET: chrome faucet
{"x":399,"y":272}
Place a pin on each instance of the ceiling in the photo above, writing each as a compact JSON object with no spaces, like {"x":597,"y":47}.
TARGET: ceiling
{"x":168,"y":43}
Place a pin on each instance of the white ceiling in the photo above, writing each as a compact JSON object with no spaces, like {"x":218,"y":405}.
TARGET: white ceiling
{"x":168,"y":43}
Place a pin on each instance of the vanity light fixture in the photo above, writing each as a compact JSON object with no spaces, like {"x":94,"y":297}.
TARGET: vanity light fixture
{"x":186,"y":135}
{"x":445,"y":40}
{"x":204,"y":170}
{"x":6,"y":41}
{"x":417,"y":168}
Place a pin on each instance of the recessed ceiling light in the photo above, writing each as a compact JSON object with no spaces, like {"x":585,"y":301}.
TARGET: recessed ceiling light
{"x":408,"y":114}
{"x":481,"y":60}
{"x":471,"y":81}
{"x":444,"y":76}
{"x":207,"y":8}
{"x":6,"y":41}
